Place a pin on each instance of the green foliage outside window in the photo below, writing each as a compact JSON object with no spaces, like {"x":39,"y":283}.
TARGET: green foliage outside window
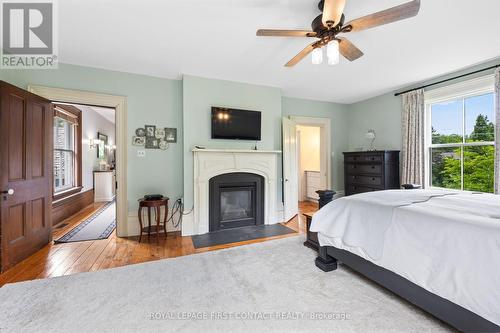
{"x":478,"y":161}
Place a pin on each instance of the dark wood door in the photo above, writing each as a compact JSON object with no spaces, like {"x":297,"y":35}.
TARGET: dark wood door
{"x":25,"y":174}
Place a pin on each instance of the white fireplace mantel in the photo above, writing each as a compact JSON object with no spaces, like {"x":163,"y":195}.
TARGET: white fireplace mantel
{"x":209,"y":163}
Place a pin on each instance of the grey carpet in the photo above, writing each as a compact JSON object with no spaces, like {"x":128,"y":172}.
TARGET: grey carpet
{"x":277,"y":278}
{"x":240,"y":234}
{"x":98,"y":226}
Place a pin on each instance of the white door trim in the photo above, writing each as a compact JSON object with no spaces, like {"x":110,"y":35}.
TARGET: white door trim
{"x":325,"y":125}
{"x":119,"y":103}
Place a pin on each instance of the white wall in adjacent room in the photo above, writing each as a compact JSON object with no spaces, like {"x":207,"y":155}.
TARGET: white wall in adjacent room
{"x":93,"y":122}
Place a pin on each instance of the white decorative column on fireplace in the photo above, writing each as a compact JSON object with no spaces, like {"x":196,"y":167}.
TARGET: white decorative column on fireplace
{"x":209,"y":163}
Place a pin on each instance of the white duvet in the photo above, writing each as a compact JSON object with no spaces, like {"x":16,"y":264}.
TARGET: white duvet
{"x":446,"y":242}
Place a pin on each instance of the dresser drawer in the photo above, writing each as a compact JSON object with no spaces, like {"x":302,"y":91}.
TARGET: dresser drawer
{"x":355,"y":169}
{"x":364,"y":158}
{"x":365,"y":180}
{"x":356,"y":189}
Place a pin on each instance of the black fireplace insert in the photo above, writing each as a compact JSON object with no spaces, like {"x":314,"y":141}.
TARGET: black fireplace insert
{"x":236,"y":200}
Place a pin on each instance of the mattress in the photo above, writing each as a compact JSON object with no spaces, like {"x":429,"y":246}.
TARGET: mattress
{"x":446,"y":242}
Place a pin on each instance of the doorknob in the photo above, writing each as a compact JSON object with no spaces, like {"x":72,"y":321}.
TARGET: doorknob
{"x":9,"y":192}
{"x":286,"y":180}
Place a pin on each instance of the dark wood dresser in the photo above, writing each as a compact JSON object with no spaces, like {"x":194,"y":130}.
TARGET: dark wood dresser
{"x":367,"y":171}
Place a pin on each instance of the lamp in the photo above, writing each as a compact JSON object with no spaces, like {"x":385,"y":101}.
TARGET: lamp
{"x":333,"y":52}
{"x":93,"y":143}
{"x":370,"y":135}
{"x":317,"y":56}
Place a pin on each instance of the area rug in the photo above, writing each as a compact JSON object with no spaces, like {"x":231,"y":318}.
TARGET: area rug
{"x":240,"y":234}
{"x":272,"y":286}
{"x":98,"y":226}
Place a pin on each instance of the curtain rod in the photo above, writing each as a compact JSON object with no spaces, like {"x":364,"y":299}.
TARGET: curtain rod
{"x":446,"y":80}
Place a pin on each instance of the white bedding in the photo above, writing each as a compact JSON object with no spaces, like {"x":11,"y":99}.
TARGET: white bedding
{"x":446,"y":242}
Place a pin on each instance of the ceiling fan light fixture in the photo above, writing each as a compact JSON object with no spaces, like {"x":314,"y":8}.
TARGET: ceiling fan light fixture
{"x":333,"y":52}
{"x":317,"y":56}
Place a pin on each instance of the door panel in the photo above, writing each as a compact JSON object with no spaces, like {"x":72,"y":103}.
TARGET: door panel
{"x":38,"y":140}
{"x":26,"y":169}
{"x":290,"y":170}
{"x":16,"y":121}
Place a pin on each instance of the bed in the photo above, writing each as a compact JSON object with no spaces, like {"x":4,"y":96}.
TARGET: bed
{"x":438,"y":249}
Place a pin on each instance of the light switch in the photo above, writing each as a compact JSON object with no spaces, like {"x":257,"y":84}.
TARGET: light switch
{"x":141,"y":153}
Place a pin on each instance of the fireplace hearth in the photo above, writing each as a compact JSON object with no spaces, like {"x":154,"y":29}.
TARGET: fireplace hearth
{"x":236,"y":200}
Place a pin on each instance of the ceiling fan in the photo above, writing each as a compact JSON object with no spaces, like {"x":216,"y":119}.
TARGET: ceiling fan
{"x":330,"y":24}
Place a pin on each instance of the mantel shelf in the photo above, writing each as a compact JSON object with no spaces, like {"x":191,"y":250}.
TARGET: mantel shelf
{"x":196,"y":150}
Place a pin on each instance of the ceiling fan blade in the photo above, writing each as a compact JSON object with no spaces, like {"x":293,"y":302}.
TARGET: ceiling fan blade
{"x":349,"y":50}
{"x":302,"y":54}
{"x":390,"y":15}
{"x":332,"y":12}
{"x":285,"y":33}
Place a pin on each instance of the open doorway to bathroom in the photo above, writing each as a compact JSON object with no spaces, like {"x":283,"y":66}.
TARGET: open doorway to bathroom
{"x":313,"y":158}
{"x":84,"y":164}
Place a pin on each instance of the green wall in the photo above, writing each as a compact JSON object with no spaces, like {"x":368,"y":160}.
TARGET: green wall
{"x":200,"y":94}
{"x":337,"y":113}
{"x":150,"y":100}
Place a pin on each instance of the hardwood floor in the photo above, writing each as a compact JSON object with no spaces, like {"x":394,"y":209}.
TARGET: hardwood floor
{"x":90,"y":256}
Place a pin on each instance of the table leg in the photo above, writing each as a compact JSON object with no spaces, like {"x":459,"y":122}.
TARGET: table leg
{"x":140,"y":222}
{"x":149,"y":223}
{"x":165,"y":220}
{"x":158,"y":224}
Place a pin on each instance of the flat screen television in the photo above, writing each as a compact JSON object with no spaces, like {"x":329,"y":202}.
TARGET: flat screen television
{"x":235,"y":124}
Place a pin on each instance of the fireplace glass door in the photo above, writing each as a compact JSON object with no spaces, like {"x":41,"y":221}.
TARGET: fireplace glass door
{"x":236,"y":200}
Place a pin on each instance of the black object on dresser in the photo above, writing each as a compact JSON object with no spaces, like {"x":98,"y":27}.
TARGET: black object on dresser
{"x":367,"y":171}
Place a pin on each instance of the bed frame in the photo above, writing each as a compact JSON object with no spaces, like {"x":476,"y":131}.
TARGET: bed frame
{"x":449,"y":312}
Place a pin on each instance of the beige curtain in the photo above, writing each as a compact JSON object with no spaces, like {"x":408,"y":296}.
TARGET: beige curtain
{"x":413,"y":138}
{"x":497,"y":131}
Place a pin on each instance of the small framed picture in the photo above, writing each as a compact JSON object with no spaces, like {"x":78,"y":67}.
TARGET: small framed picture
{"x":150,"y":131}
{"x":163,"y":145}
{"x":171,"y":135}
{"x":139,"y":141}
{"x":160,"y":133}
{"x":152,"y":143}
{"x":140,"y":132}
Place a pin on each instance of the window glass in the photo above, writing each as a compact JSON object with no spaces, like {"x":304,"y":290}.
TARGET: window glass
{"x":446,"y":167}
{"x":447,"y":122}
{"x":480,"y":118}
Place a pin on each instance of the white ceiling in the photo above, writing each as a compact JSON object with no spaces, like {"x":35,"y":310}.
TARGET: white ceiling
{"x":107,"y":113}
{"x":216,"y":39}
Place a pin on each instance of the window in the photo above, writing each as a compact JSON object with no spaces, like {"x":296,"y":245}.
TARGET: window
{"x":461,"y":137}
{"x":67,"y":123}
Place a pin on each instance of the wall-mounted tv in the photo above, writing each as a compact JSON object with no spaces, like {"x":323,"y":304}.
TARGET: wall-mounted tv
{"x":235,"y":124}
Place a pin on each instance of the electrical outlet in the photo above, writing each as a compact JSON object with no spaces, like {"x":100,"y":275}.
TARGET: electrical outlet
{"x":141,"y":153}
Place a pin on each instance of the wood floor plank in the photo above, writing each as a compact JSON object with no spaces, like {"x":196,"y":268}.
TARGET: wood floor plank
{"x":90,"y":256}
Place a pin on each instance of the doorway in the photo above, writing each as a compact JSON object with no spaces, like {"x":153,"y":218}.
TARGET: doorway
{"x":313,"y":156}
{"x":84,"y":163}
{"x":310,"y":176}
{"x":119,"y":104}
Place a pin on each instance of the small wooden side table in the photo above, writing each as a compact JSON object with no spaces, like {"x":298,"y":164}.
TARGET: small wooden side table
{"x":312,"y":237}
{"x":156,"y":205}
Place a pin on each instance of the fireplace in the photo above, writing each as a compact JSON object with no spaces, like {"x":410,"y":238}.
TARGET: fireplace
{"x":236,"y":200}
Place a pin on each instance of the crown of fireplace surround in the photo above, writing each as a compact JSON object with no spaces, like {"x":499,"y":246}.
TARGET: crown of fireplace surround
{"x":209,"y":163}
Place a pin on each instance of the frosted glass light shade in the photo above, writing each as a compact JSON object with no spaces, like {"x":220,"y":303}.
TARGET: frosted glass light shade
{"x":333,"y":52}
{"x":317,"y":56}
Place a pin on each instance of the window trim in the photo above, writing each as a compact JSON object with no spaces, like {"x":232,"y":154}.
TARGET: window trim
{"x":74,"y":115}
{"x":471,"y":88}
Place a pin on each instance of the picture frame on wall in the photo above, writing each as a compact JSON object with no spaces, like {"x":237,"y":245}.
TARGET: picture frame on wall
{"x":171,"y":135}
{"x":139,"y":141}
{"x":150,"y":131}
{"x":140,"y":131}
{"x":101,"y":148}
{"x":160,"y":133}
{"x":152,"y":143}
